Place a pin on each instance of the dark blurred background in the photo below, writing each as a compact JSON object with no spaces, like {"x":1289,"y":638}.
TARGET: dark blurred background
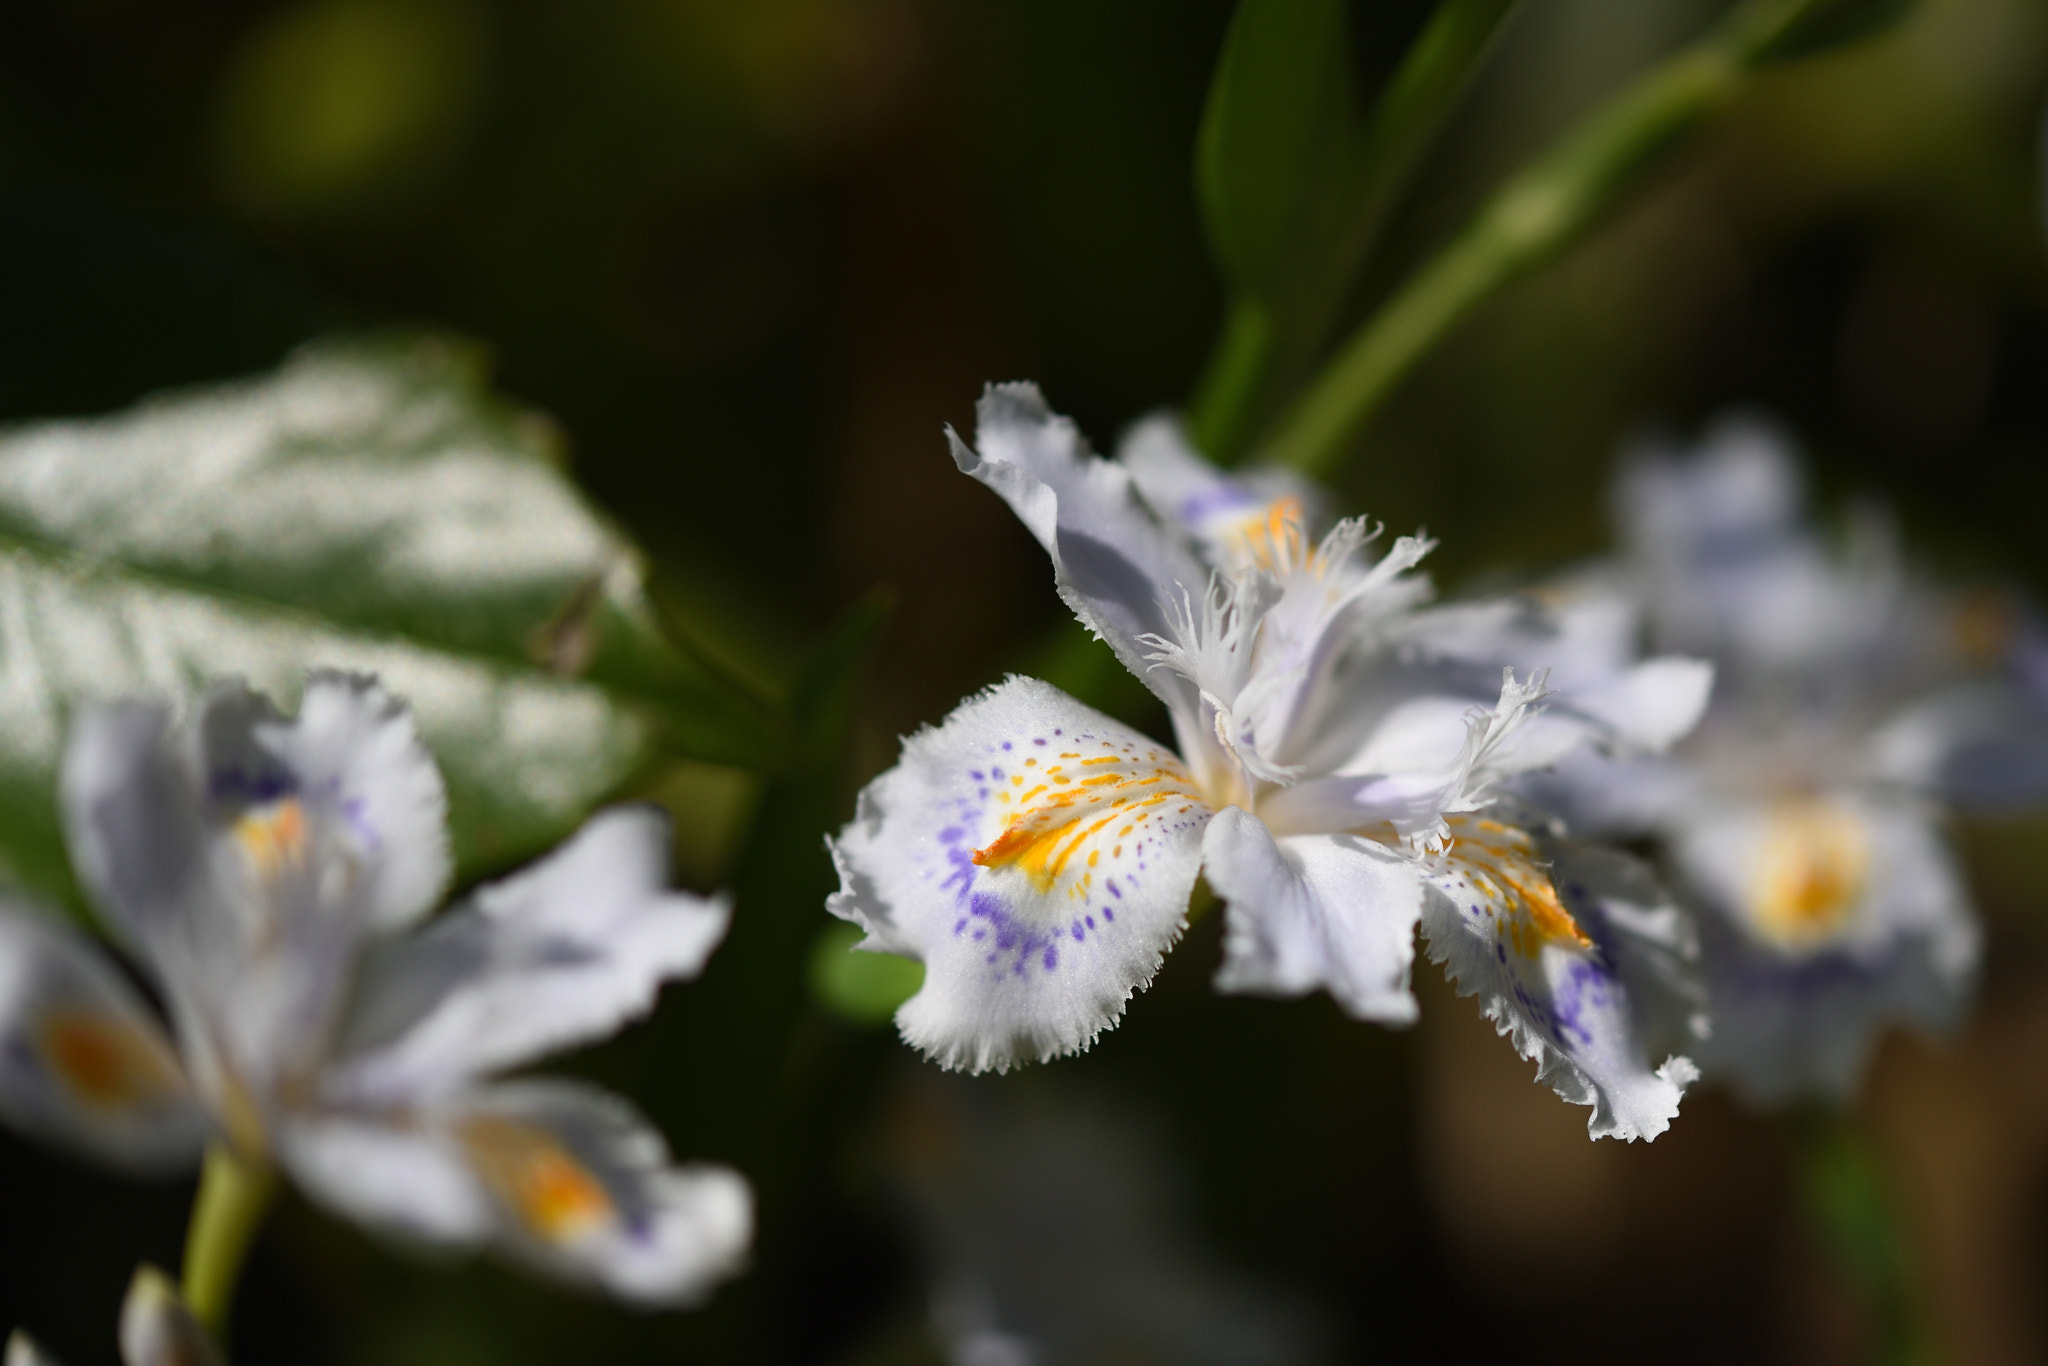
{"x":751,"y":255}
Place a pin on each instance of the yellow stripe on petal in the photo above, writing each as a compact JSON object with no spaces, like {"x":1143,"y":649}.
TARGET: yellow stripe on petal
{"x":273,"y":837}
{"x":1501,"y":864}
{"x":1810,"y":872}
{"x":552,"y":1194}
{"x":1077,"y":808}
{"x":104,"y":1061}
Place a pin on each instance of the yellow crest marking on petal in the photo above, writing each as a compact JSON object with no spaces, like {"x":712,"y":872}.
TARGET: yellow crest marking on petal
{"x":107,"y":1062}
{"x":1273,"y":538}
{"x":552,"y":1193}
{"x":1810,"y":872}
{"x":1502,"y":864}
{"x":273,"y":837}
{"x":1052,"y":822}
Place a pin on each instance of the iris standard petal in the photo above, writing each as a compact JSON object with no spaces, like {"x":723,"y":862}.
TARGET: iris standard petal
{"x":83,"y":1061}
{"x":1559,"y":958}
{"x":1213,"y":508}
{"x":1115,"y":564}
{"x":1335,"y":912}
{"x":558,"y":955}
{"x":352,"y":757}
{"x":1037,"y":857}
{"x":156,"y":1327}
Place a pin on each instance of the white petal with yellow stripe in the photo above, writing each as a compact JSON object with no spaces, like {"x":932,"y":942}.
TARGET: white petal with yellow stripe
{"x":1037,"y":857}
{"x":83,"y":1061}
{"x":557,"y":1174}
{"x":1579,"y":958}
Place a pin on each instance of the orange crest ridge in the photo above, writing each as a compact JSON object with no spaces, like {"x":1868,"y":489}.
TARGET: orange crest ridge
{"x":273,"y":837}
{"x":1079,"y":806}
{"x":552,"y":1193}
{"x":1501,"y":862}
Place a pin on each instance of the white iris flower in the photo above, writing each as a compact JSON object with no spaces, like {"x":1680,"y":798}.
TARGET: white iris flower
{"x":1853,"y":703}
{"x":1332,"y":776}
{"x":270,"y":877}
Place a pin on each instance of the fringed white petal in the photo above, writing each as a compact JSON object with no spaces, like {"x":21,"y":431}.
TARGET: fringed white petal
{"x":1578,"y":964}
{"x":1037,"y":857}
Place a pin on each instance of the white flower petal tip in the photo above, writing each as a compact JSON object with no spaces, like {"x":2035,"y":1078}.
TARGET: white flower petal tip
{"x":583,"y":1188}
{"x":1113,"y":561}
{"x":88,"y":1066}
{"x":1653,"y":705}
{"x":1037,"y":857}
{"x":156,"y":1327}
{"x":560,"y":954}
{"x":23,"y":1350}
{"x":1582,"y":963}
{"x":1334,"y":912}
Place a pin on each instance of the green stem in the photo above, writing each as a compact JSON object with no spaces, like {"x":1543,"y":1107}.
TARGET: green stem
{"x":1228,"y":395}
{"x":233,"y":1193}
{"x":1847,"y":1208}
{"x":1538,"y":213}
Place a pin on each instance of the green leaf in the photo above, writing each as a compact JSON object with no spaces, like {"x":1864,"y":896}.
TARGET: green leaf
{"x":860,"y":988}
{"x":367,"y":506}
{"x":1279,"y":141}
{"x":1296,"y":186}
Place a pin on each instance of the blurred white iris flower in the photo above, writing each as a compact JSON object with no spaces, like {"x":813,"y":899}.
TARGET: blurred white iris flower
{"x":269,"y":875}
{"x":1337,"y":775}
{"x":1854,"y":704}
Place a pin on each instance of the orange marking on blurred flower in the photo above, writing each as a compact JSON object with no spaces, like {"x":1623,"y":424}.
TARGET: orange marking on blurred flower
{"x":106,"y":1061}
{"x":552,"y":1193}
{"x":1810,"y":872}
{"x":273,"y":837}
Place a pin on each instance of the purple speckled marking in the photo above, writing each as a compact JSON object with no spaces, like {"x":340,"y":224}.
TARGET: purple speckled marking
{"x":1091,"y":922}
{"x":1079,"y":933}
{"x":1039,"y":741}
{"x":1499,"y":950}
{"x":1585,"y":988}
{"x":1114,"y":890}
{"x":1108,"y":914}
{"x":975,"y":774}
{"x":1051,"y":959}
{"x":952,"y":834}
{"x":1006,"y":745}
{"x":255,"y":789}
{"x":959,"y":925}
{"x":996,"y":773}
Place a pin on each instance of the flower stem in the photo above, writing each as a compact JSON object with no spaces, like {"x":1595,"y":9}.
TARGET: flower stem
{"x":233,"y":1194}
{"x":1848,"y":1211}
{"x":1540,"y":211}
